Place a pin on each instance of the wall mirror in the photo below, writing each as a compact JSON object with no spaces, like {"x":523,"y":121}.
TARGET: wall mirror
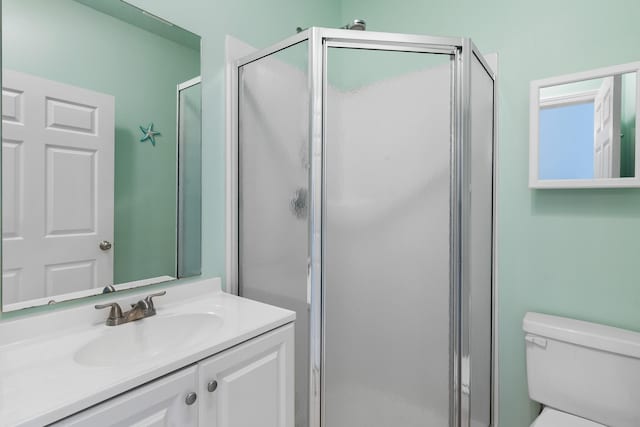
{"x":101,"y":143}
{"x":583,"y":129}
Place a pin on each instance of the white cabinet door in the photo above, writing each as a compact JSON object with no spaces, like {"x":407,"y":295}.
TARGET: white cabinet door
{"x":57,"y":195}
{"x":161,"y":403}
{"x":252,"y":384}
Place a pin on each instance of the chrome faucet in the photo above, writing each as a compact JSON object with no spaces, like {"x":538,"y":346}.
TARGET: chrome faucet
{"x":140,"y":310}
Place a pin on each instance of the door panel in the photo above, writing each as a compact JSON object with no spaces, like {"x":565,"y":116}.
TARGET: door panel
{"x":160,"y":403}
{"x":251,"y":383}
{"x":70,"y":116}
{"x":386,"y":240}
{"x":61,"y":278}
{"x":254,"y":384}
{"x":12,"y":105}
{"x":58,"y":164}
{"x":11,"y":283}
{"x":12,"y":188}
{"x":71,"y":202}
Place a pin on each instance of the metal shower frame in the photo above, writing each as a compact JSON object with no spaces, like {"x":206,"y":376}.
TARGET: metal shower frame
{"x":320,"y":40}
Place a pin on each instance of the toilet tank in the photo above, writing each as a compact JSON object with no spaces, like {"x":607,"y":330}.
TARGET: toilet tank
{"x":585,"y":369}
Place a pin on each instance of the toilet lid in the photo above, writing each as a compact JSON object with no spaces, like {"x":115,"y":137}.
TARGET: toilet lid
{"x":552,"y":418}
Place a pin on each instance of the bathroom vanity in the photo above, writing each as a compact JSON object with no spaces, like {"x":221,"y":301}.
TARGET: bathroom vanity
{"x":198,"y":361}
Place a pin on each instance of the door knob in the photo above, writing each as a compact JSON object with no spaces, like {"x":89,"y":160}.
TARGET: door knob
{"x":105,"y":245}
{"x":212,"y":386}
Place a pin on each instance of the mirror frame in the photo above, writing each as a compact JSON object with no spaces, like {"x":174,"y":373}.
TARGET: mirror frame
{"x":534,"y":121}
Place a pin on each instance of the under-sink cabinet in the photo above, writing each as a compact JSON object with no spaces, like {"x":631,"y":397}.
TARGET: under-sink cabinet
{"x":251,"y":384}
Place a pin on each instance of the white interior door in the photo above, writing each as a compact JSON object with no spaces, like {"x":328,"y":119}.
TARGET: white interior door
{"x":57,"y":187}
{"x":606,"y":148}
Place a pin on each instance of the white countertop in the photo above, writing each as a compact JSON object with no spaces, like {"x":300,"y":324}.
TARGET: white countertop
{"x":40,"y":381}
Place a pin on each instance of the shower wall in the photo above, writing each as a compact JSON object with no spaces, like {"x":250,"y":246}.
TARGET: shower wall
{"x":386,"y":256}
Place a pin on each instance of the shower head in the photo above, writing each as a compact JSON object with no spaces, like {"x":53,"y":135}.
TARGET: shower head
{"x":357,"y":24}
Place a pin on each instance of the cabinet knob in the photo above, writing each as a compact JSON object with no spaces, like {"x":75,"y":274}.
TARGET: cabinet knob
{"x":191,"y":398}
{"x":212,"y":386}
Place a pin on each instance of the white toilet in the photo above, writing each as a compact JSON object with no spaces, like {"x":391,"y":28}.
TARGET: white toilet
{"x":585,"y":374}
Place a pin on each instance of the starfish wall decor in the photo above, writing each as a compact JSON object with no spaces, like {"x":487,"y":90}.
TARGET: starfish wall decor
{"x":149,"y":134}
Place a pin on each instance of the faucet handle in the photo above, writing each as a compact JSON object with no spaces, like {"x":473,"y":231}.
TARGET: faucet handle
{"x":149,"y":299}
{"x":115,"y":314}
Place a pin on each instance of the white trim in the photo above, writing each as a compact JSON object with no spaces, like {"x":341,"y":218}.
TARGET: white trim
{"x":598,"y":73}
{"x":568,"y":99}
{"x":588,"y":183}
{"x":534,"y":132}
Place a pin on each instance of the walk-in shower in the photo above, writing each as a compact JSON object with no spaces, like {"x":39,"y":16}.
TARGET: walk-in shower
{"x":363,"y":200}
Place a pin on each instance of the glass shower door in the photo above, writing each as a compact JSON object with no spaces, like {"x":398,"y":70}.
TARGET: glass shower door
{"x":386,"y":239}
{"x":273,"y":182}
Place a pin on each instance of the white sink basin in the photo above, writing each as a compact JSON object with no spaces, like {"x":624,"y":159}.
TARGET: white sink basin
{"x":143,"y":339}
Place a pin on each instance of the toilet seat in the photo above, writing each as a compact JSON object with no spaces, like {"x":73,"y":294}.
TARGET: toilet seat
{"x":552,"y":418}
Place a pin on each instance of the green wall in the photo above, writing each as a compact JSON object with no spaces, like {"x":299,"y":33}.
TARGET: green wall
{"x":566,"y":252}
{"x":68,"y":42}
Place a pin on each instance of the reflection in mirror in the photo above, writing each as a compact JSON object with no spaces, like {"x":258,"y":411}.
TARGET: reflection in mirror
{"x":583,"y":129}
{"x":100,"y":150}
{"x":587,"y":129}
{"x":190,"y":178}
